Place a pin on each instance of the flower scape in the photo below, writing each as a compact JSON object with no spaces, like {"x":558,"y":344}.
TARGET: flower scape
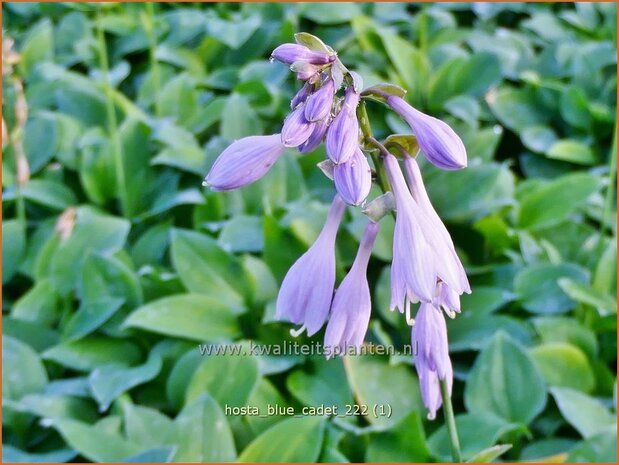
{"x":330,"y":108}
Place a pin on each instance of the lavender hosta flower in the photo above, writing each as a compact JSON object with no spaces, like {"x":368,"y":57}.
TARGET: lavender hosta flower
{"x":302,"y":95}
{"x":429,"y":337}
{"x":306,"y":292}
{"x":315,"y":138}
{"x":451,"y":270}
{"x":353,"y":178}
{"x":438,"y":142}
{"x":413,"y":272}
{"x":449,"y":300}
{"x":318,"y":105}
{"x":306,"y":71}
{"x":289,"y":53}
{"x":351,"y":307}
{"x":343,"y":134}
{"x":244,"y":162}
{"x":296,"y":129}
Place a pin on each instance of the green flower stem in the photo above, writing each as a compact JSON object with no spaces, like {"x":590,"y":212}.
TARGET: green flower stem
{"x":450,"y":421}
{"x":366,"y":129}
{"x":111,"y":117}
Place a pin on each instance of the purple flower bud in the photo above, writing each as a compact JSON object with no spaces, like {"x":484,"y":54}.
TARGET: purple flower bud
{"x":289,"y":53}
{"x":429,"y":338}
{"x":343,"y":134}
{"x":314,"y":140}
{"x":451,"y":270}
{"x":438,"y":142}
{"x":244,"y":162}
{"x":413,"y":272}
{"x":302,"y":95}
{"x":306,"y":292}
{"x":353,"y":178}
{"x":318,"y":105}
{"x":351,"y":307}
{"x":296,"y":129}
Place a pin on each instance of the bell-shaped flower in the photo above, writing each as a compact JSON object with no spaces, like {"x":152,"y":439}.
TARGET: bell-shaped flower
{"x":450,"y":270}
{"x":353,"y":178}
{"x":301,"y":95}
{"x":289,"y":53}
{"x":306,"y":71}
{"x":351,"y":307}
{"x":318,"y":105}
{"x":431,"y":355}
{"x":437,"y":141}
{"x":244,"y":162}
{"x":414,"y":262}
{"x":296,"y":128}
{"x":343,"y":134}
{"x":307,"y":290}
{"x":315,"y":138}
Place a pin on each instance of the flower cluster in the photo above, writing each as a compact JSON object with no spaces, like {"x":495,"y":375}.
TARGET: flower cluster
{"x":425,"y":265}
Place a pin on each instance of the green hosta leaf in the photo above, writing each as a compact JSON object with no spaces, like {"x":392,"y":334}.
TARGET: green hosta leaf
{"x":537,"y":287}
{"x":564,"y":365}
{"x":375,"y":382}
{"x":603,"y":303}
{"x":563,"y":329}
{"x":229,"y":379}
{"x":239,"y":119}
{"x":12,"y":454}
{"x":22,"y":370}
{"x":242,"y":233}
{"x":572,"y":151}
{"x":94,"y":442}
{"x":505,"y":381}
{"x":32,"y":333}
{"x":204,"y":267}
{"x":538,"y":138}
{"x":191,"y":316}
{"x":264,"y":394}
{"x":329,"y":13}
{"x":88,"y":353}
{"x":586,"y":414}
{"x":327,"y":384}
{"x":404,"y":443}
{"x":601,"y":448}
{"x":541,"y":207}
{"x":49,"y":193}
{"x":110,"y":381}
{"x":516,"y":109}
{"x":203,"y":434}
{"x":90,"y":316}
{"x":13,"y":247}
{"x":477,"y":430}
{"x":489,"y":454}
{"x":291,"y":440}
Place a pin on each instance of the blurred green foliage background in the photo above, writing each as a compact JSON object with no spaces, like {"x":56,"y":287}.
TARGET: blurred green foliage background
{"x":117,"y":263}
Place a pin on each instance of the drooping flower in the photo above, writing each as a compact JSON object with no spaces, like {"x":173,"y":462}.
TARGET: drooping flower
{"x":451,"y":270}
{"x":351,"y":307}
{"x":306,"y":71}
{"x":301,"y":95}
{"x":437,"y":141}
{"x":413,"y":272}
{"x":318,"y":105}
{"x":306,"y":292}
{"x":431,"y":355}
{"x":315,"y":138}
{"x":289,"y":53}
{"x":296,"y":128}
{"x":244,"y":162}
{"x":353,"y":178}
{"x":343,"y":134}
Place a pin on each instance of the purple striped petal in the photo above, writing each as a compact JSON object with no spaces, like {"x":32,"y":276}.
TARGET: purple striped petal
{"x":318,"y":105}
{"x":296,"y":129}
{"x":353,"y":178}
{"x":289,"y":53}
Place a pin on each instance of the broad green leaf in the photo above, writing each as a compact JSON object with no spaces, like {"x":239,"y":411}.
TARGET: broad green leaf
{"x":242,"y":233}
{"x":31,"y":333}
{"x":405,"y":442}
{"x":516,"y":109}
{"x":203,"y":434}
{"x":53,"y":406}
{"x":538,"y":138}
{"x":478,"y":431}
{"x":290,"y":440}
{"x":93,"y":442}
{"x":564,"y":329}
{"x":230,"y":378}
{"x":572,"y":151}
{"x":489,"y":454}
{"x":375,"y":382}
{"x":22,"y":370}
{"x":88,"y":353}
{"x":603,"y":303}
{"x":204,"y":267}
{"x":537,"y":287}
{"x":329,"y":13}
{"x":90,"y":316}
{"x":599,"y":448}
{"x":49,"y":193}
{"x":586,"y":414}
{"x":13,"y":247}
{"x":564,"y":365}
{"x":190,"y":316}
{"x":238,"y":119}
{"x":107,"y":382}
{"x":264,"y":395}
{"x":12,"y":454}
{"x":146,"y":426}
{"x":505,"y":381}
{"x":39,"y":304}
{"x":541,"y":207}
{"x":38,"y":46}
